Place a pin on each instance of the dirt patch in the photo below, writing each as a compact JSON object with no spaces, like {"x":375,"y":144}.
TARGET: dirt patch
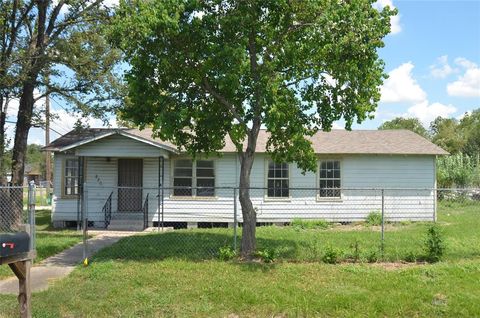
{"x":363,"y":227}
{"x":392,"y":266}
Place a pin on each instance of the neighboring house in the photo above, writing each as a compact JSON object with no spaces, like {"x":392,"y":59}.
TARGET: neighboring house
{"x":104,"y":159}
{"x":31,"y":173}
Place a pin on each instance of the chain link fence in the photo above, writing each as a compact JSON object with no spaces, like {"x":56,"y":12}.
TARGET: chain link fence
{"x":292,"y":223}
{"x":17,"y":216}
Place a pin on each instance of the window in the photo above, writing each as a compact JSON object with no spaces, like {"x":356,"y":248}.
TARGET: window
{"x":330,"y":179}
{"x":70,"y":182}
{"x":277,"y":180}
{"x":188,"y":175}
{"x":182,"y":178}
{"x":205,"y":174}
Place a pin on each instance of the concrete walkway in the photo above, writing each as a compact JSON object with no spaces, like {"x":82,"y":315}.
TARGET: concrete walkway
{"x":62,"y":264}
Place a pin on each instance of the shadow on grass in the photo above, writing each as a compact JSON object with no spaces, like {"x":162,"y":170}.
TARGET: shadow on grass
{"x":183,"y":244}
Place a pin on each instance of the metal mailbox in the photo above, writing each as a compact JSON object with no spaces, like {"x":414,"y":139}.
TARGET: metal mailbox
{"x":14,"y":243}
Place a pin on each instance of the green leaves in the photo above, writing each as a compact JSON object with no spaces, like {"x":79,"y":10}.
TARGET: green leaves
{"x":203,"y":69}
{"x":412,"y":124}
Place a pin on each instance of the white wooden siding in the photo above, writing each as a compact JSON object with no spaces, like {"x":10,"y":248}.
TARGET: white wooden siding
{"x":382,"y":171}
{"x":62,"y":209}
{"x":120,"y":146}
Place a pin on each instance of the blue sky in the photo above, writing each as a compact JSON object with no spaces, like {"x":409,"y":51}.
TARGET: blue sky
{"x":433,"y":59}
{"x":432,"y":56}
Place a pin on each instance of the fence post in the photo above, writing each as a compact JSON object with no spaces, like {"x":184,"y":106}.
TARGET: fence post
{"x":435,"y":204}
{"x":85,"y":224}
{"x":31,"y":213}
{"x":235,"y":222}
{"x":383,"y":222}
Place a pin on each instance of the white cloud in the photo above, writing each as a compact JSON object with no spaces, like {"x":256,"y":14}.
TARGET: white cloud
{"x":66,"y":121}
{"x":337,"y":125}
{"x":441,"y":69}
{"x":427,"y":112}
{"x":401,"y":86}
{"x":468,"y":84}
{"x":12,"y":109}
{"x":463,"y":62}
{"x":395,"y":20}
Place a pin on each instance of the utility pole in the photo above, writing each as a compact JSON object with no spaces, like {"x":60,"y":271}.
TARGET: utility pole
{"x":48,"y":171}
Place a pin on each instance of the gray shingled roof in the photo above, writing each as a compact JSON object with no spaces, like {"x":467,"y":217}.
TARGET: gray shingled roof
{"x":398,"y":142}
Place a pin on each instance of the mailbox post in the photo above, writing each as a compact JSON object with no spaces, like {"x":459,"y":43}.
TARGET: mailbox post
{"x":17,"y":249}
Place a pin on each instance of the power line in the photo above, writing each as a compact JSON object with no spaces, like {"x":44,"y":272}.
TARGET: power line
{"x":62,"y":107}
{"x":55,"y":131}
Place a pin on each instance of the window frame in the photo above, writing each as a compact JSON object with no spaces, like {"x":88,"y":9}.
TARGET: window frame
{"x":194,"y":180}
{"x":333,"y":198}
{"x":266,"y":196}
{"x":64,"y":195}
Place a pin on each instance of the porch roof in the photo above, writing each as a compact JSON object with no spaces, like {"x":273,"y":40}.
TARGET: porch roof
{"x":81,"y":137}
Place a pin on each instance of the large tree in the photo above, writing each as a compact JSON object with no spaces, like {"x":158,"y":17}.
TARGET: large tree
{"x":412,"y":124}
{"x":470,"y":126}
{"x":53,"y":47}
{"x":202,"y":70}
{"x":446,"y":134}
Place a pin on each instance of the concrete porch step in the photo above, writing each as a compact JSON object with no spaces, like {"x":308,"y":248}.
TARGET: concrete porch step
{"x":127,"y":215}
{"x":126,"y":225}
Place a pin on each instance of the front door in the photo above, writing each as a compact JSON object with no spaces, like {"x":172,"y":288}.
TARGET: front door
{"x":130,"y":181}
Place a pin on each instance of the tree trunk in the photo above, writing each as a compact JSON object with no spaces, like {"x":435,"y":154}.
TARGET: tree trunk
{"x":249,"y":243}
{"x":24,"y":122}
{"x":3,"y":118}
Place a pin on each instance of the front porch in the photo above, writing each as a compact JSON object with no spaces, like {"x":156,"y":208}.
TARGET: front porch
{"x":116,"y":178}
{"x":120,"y":193}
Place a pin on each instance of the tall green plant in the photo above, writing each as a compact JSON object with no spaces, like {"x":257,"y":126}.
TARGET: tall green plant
{"x":459,"y":170}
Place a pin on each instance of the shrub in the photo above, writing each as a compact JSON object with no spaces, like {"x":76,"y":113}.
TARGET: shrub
{"x":267,"y":255}
{"x":434,"y":244}
{"x":372,"y":256}
{"x":411,"y":257}
{"x":355,"y":251}
{"x":226,"y":253}
{"x":374,"y":218}
{"x":310,"y":224}
{"x":331,"y":256}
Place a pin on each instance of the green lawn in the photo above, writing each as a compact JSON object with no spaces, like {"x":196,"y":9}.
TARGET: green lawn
{"x":176,"y":274}
{"x":49,"y":241}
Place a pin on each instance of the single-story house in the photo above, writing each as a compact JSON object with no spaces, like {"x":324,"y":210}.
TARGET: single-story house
{"x":133,"y":178}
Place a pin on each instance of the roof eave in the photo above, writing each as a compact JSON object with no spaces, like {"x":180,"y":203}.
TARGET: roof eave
{"x":110,"y":133}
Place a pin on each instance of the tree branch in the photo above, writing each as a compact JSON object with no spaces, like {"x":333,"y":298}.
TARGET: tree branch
{"x":72,"y":20}
{"x":206,"y":86}
{"x":53,"y":17}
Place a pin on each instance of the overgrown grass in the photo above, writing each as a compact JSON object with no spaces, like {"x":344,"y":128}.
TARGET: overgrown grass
{"x":49,"y":241}
{"x":308,"y":241}
{"x":176,"y":274}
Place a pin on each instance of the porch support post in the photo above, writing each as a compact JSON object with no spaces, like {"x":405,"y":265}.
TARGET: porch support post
{"x":81,"y":165}
{"x":161,"y":179}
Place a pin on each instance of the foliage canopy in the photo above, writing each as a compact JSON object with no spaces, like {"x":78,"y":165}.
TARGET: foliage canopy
{"x":203,"y":69}
{"x":412,"y":124}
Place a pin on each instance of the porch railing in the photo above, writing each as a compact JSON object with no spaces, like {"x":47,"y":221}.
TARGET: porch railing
{"x":145,"y":212}
{"x":107,"y":210}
